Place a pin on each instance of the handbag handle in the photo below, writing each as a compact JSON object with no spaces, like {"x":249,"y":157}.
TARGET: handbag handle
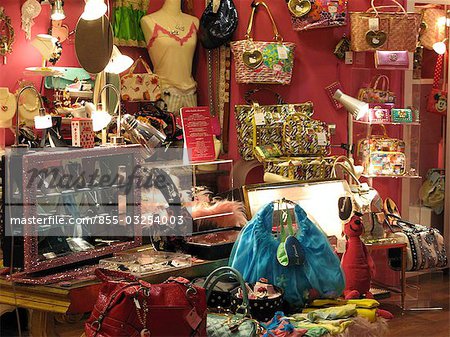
{"x":221,"y":273}
{"x":107,"y":275}
{"x":398,"y":5}
{"x":277,"y":37}
{"x":250,"y":93}
{"x":384,"y":81}
{"x":345,"y":163}
{"x":370,"y":130}
{"x":142,"y":61}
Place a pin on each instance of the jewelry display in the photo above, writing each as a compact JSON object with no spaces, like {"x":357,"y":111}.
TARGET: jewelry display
{"x":29,"y":105}
{"x":7,"y":107}
{"x":6,"y":34}
{"x":30,"y":10}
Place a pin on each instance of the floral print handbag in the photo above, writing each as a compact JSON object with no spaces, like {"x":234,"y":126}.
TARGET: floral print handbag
{"x":311,"y":14}
{"x":377,"y":94}
{"x":140,"y":87}
{"x":263,"y":62}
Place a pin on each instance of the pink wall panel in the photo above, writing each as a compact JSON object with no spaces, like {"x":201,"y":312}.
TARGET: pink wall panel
{"x":315,"y":65}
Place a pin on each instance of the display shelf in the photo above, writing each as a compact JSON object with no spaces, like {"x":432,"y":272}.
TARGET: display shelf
{"x":422,"y":81}
{"x":391,"y":176}
{"x":388,"y":123}
{"x":81,"y":94}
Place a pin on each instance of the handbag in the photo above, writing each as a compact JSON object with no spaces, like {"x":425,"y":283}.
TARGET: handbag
{"x":432,"y":31}
{"x":391,"y":59}
{"x":70,"y":76}
{"x":401,"y":116}
{"x":437,"y":101}
{"x":140,"y":87}
{"x":376,"y":94}
{"x":365,"y":199}
{"x":432,"y":191}
{"x":260,"y":61}
{"x":226,"y":325}
{"x":254,"y":254}
{"x":303,"y":135}
{"x":217,"y":27}
{"x":379,"y":113}
{"x":300,"y":168}
{"x":130,"y":307}
{"x":311,"y":14}
{"x":381,"y":154}
{"x":259,"y":125}
{"x":376,"y":30}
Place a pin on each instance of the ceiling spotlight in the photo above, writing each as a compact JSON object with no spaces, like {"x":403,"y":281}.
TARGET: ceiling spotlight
{"x":58,"y":11}
{"x":94,"y":9}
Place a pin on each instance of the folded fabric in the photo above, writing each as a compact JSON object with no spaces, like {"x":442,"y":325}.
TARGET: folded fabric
{"x":280,"y":326}
{"x":332,"y":326}
{"x":332,"y":313}
{"x":360,"y":303}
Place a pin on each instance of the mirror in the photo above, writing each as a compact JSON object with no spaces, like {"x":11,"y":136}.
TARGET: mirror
{"x":94,"y":44}
{"x":6,"y":34}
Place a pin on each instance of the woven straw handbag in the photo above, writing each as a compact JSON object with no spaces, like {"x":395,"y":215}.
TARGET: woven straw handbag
{"x":263,"y":62}
{"x":377,"y":30}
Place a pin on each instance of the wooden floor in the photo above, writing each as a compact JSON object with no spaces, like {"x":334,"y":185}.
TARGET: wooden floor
{"x":434,"y":291}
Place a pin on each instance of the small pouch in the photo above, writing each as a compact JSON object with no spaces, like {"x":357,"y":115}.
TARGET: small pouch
{"x":401,"y":116}
{"x":264,"y":152}
{"x":331,"y":89}
{"x":379,"y":113}
{"x":391,"y":59}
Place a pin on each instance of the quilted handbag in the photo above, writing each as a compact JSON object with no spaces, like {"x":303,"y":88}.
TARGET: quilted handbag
{"x":437,"y":100}
{"x":226,"y":325}
{"x":311,"y":14}
{"x":259,"y":125}
{"x":303,"y":135}
{"x":260,"y":61}
{"x":128,"y":307}
{"x":377,"y":30}
{"x":382,"y":155}
{"x":140,"y":87}
{"x":432,"y":31}
{"x":376,"y":94}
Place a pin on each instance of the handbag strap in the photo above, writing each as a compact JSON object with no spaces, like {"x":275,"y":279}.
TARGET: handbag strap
{"x":438,"y":69}
{"x":277,"y":37}
{"x":227,"y":272}
{"x":248,"y":96}
{"x":383,"y":80}
{"x":106,"y":275}
{"x":142,"y":61}
{"x":370,"y":130}
{"x":375,"y":8}
{"x":346,"y":164}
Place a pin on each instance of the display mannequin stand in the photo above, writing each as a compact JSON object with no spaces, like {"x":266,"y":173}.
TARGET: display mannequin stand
{"x":7,"y":108}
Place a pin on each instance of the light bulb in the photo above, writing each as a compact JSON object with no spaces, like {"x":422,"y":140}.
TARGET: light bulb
{"x":94,"y":9}
{"x":57,"y":11}
{"x":440,"y":47}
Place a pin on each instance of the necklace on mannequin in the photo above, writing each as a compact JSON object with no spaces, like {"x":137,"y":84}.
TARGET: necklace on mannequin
{"x":4,"y":103}
{"x":177,"y":27}
{"x":32,"y":108}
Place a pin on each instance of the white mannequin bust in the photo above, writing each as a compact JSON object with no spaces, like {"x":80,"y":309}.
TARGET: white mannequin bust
{"x":171,"y":38}
{"x":7,"y":108}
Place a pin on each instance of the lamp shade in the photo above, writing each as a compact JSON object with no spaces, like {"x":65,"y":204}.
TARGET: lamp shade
{"x":57,"y":11}
{"x":440,"y":47}
{"x":355,"y":107}
{"x":118,"y":62}
{"x":100,"y":118}
{"x":94,"y":9}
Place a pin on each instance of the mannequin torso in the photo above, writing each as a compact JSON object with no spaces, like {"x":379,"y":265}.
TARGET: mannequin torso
{"x":7,"y":107}
{"x":171,"y":38}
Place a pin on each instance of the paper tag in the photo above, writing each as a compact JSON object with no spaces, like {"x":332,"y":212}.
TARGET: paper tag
{"x":374,"y":24}
{"x":321,"y":138}
{"x":259,"y":118}
{"x":341,"y":245}
{"x":348,"y":57}
{"x":193,"y":319}
{"x":282,"y":53}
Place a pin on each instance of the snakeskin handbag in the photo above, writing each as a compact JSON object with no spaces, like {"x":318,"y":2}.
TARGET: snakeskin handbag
{"x":259,"y":125}
{"x":303,"y":135}
{"x":260,"y":61}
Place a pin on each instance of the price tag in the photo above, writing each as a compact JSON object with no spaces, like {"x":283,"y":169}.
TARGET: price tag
{"x":321,"y":138}
{"x":259,"y":118}
{"x":341,"y":245}
{"x":282,"y":52}
{"x":348,"y":57}
{"x":374,"y":24}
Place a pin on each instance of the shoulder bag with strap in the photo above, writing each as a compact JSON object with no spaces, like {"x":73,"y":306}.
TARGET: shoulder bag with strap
{"x":140,"y":87}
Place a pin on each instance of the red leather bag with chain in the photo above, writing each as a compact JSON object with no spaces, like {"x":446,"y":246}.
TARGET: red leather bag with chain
{"x":128,"y":307}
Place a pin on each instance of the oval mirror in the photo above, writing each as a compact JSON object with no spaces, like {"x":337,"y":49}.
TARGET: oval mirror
{"x":94,"y":44}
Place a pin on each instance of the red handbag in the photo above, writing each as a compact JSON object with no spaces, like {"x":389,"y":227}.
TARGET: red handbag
{"x":128,"y":307}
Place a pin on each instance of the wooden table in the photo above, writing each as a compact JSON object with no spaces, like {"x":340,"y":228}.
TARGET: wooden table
{"x":45,"y":303}
{"x":402,"y":246}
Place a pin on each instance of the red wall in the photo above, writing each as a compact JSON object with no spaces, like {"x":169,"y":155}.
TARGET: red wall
{"x":315,"y":65}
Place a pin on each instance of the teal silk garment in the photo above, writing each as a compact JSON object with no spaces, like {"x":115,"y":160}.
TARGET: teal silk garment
{"x":255,"y":255}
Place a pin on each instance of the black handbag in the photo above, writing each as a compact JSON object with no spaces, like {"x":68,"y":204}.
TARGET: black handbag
{"x":217,"y":28}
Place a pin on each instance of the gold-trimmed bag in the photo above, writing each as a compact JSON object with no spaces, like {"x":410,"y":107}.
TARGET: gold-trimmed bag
{"x":258,"y":125}
{"x":263,"y":62}
{"x":375,"y":30}
{"x":301,"y":168}
{"x":303,"y":135}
